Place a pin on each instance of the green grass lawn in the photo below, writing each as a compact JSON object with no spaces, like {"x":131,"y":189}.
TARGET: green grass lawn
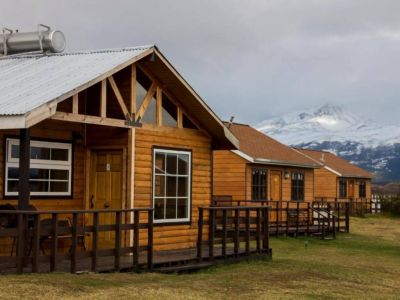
{"x":363,"y":264}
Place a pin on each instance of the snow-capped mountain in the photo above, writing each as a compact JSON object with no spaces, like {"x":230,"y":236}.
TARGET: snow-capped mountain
{"x":373,"y":146}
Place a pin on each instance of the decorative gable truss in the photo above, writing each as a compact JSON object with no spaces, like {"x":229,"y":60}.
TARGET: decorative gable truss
{"x":117,"y":101}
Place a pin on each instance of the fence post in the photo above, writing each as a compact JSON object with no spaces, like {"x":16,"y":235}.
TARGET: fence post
{"x":95,"y":240}
{"x":258,"y":239}
{"x":247,"y":230}
{"x":297,"y":217}
{"x":200,"y":234}
{"x":287,"y":217}
{"x":308,"y":218}
{"x":277,"y":218}
{"x":117,"y":257}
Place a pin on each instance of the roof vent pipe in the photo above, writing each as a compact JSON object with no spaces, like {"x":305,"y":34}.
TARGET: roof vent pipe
{"x":40,"y":41}
{"x":231,"y":121}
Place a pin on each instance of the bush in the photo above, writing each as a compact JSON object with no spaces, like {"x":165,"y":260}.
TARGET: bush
{"x":390,"y":204}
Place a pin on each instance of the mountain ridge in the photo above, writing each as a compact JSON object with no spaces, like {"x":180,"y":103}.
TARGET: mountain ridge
{"x":373,"y":146}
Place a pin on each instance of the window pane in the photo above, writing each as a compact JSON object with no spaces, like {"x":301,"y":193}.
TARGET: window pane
{"x":39,"y":186}
{"x":59,"y":154}
{"x":170,"y":212}
{"x":186,"y":123}
{"x":159,"y":186}
{"x":182,"y":208}
{"x":159,"y":209}
{"x":58,"y":186}
{"x":160,"y":163}
{"x":150,"y":113}
{"x":13,"y":173}
{"x":169,"y":112}
{"x":12,"y":185}
{"x":15,"y":151}
{"x":183,"y":164}
{"x":40,"y":153}
{"x":182,"y":186}
{"x":171,"y":163}
{"x":59,"y":174}
{"x":171,"y":186}
{"x":38,"y":173}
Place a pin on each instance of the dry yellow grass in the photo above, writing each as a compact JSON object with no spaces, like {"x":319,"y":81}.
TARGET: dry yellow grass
{"x":363,"y":264}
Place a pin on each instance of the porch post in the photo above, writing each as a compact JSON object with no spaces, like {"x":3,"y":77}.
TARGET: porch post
{"x":24,"y":158}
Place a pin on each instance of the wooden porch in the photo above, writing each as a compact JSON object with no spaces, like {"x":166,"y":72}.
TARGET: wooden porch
{"x":126,"y":244}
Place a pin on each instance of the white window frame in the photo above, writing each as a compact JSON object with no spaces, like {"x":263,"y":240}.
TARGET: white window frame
{"x":11,"y":162}
{"x":188,"y":176}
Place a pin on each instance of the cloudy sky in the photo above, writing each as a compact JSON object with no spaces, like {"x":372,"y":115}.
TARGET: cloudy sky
{"x":251,"y":59}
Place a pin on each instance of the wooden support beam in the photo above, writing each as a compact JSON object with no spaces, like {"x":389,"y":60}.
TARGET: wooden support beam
{"x":103,"y":99}
{"x":24,"y":162}
{"x":77,"y":118}
{"x":159,"y":106}
{"x":75,"y":104}
{"x":146,"y":101}
{"x":130,"y":186}
{"x":180,"y":118}
{"x":119,"y":97}
{"x":133,"y":90}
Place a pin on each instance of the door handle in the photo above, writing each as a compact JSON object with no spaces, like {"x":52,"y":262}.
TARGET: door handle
{"x":106,"y":205}
{"x":92,"y":201}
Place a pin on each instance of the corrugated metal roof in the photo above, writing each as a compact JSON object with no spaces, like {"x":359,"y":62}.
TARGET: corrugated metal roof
{"x":29,"y":81}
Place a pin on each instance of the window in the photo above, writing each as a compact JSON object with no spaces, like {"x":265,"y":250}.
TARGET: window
{"x":362,"y":192}
{"x":259,"y":184}
{"x":297,"y":186}
{"x":171,"y":185}
{"x":342,"y":189}
{"x":50,"y":168}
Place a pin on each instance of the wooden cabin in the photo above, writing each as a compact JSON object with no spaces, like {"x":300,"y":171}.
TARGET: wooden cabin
{"x":338,"y":178}
{"x":262,"y":169}
{"x":112,"y":129}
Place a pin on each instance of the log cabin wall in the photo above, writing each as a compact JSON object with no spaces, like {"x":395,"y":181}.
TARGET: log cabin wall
{"x":232,"y":176}
{"x":325,"y":184}
{"x":170,"y":236}
{"x":229,"y":175}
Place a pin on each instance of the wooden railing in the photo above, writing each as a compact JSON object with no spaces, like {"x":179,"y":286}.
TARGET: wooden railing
{"x":123,"y":227}
{"x":357,"y":206}
{"x":298,"y":217}
{"x":232,"y":229}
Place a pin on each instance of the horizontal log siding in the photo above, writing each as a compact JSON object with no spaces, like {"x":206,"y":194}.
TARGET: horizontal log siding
{"x":173,"y":236}
{"x":325,"y":184}
{"x":229,"y":175}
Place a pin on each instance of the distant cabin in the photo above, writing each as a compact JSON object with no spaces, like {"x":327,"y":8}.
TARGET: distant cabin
{"x":338,"y":178}
{"x":262,"y":169}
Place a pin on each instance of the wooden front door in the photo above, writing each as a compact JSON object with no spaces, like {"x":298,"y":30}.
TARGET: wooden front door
{"x":106,"y":185}
{"x":275,"y":185}
{"x":351,"y":189}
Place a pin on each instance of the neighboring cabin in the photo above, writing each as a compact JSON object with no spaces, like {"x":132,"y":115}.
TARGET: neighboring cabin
{"x":263,"y":169}
{"x":108,"y":130}
{"x":338,"y":178}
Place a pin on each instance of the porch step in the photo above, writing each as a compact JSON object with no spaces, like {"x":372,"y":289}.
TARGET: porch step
{"x":184,"y":268}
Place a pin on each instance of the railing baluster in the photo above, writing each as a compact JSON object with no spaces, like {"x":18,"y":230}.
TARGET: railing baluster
{"x":74,"y":241}
{"x":236,"y":240}
{"x":117,"y":256}
{"x":347,"y":217}
{"x":211,"y":232}
{"x":265,"y":229}
{"x":136,"y":221}
{"x":150,"y":242}
{"x":200,"y":234}
{"x":21,"y":243}
{"x":277,"y":218}
{"x":54,"y":240}
{"x":247,"y":230}
{"x":36,"y":243}
{"x":287,"y":217}
{"x":297,"y":217}
{"x":258,"y":239}
{"x":224,"y":233}
{"x":95,"y":238}
{"x":308,"y":218}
